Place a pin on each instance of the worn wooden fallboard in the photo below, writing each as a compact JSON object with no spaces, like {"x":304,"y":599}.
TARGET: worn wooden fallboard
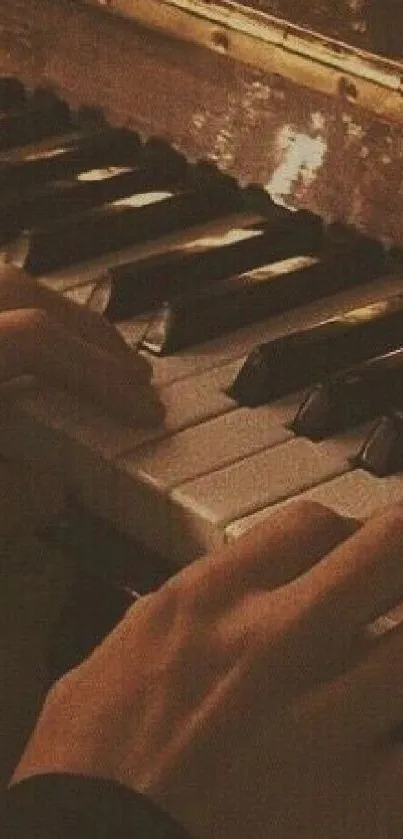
{"x":374,"y":25}
{"x":316,"y":120}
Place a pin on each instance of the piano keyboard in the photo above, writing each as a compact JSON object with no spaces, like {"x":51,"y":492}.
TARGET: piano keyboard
{"x":215,"y":466}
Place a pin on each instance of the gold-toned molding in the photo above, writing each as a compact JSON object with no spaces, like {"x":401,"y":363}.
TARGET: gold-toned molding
{"x":276,"y":46}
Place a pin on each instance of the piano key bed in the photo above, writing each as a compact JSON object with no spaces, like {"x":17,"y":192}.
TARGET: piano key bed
{"x":174,"y":245}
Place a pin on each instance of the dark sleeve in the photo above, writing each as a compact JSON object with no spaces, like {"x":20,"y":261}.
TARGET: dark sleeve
{"x":77,"y":807}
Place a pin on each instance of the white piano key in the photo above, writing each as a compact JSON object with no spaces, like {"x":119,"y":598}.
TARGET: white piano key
{"x":347,"y":443}
{"x":186,"y":404}
{"x":47,"y":426}
{"x":95,"y":295}
{"x":39,"y":422}
{"x":364,"y":494}
{"x":191,"y":401}
{"x":136,"y":490}
{"x":133,"y":331}
{"x":100,"y":475}
{"x":207,"y":447}
{"x":356,"y":494}
{"x":203,"y":508}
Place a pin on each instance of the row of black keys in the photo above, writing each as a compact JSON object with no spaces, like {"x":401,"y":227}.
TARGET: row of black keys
{"x":365,"y":391}
{"x":69,"y":219}
{"x":207,"y":290}
{"x":217,"y":287}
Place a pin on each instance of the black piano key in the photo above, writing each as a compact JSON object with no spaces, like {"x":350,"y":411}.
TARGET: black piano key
{"x":12,"y":93}
{"x":270,"y":289}
{"x":301,"y":358}
{"x":205,"y":173}
{"x":116,"y":226}
{"x":158,"y":154}
{"x":58,"y":200}
{"x":27,"y":167}
{"x":351,"y":397}
{"x":43,"y":115}
{"x":141,"y":286}
{"x":382,"y":452}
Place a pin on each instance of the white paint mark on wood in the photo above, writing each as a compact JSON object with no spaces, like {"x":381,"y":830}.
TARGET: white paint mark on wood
{"x":301,"y":157}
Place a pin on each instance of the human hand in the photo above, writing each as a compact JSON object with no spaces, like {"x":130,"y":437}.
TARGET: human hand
{"x":245,"y":696}
{"x":73,"y":348}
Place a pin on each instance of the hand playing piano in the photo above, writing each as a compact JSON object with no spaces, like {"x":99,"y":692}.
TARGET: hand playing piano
{"x":249,"y":696}
{"x":72,"y":348}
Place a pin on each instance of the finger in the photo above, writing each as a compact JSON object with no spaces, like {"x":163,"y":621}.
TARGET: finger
{"x":276,"y":551}
{"x":287,"y":544}
{"x":30,"y":343}
{"x":19,"y":290}
{"x":360,"y":579}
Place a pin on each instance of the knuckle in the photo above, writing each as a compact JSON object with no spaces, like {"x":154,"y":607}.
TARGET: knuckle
{"x":191,"y":594}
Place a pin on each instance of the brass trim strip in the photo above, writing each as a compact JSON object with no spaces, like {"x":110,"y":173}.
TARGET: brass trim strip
{"x":276,"y":46}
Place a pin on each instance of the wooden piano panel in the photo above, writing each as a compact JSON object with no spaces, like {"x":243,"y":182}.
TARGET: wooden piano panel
{"x":311,"y":149}
{"x":374,"y":25}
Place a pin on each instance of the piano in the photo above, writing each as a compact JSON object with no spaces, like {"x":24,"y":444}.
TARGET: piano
{"x":259,"y":141}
